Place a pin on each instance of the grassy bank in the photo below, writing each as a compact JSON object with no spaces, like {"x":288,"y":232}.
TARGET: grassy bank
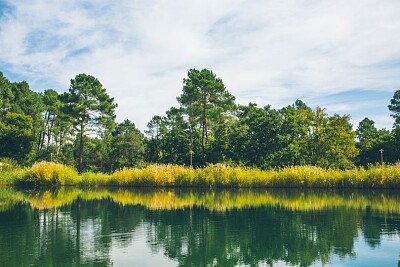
{"x":213,"y":176}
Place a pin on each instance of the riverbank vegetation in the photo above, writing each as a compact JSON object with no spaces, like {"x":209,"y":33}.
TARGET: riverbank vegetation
{"x":211,"y":176}
{"x":207,"y":130}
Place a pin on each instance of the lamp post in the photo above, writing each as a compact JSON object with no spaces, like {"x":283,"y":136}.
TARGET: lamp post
{"x":381,"y":150}
{"x":191,"y":157}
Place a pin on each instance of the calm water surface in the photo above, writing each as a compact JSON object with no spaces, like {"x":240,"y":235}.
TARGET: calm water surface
{"x":116,"y":227}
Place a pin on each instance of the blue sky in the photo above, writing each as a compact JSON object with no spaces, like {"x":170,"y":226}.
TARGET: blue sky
{"x":343,"y":55}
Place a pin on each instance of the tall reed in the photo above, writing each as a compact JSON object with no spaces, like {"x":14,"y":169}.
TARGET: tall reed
{"x":211,"y":176}
{"x":48,"y":174}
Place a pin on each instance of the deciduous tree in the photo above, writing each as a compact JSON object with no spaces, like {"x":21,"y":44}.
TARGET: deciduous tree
{"x":16,"y":136}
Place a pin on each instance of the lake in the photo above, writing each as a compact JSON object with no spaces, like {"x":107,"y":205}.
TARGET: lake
{"x":167,"y":227}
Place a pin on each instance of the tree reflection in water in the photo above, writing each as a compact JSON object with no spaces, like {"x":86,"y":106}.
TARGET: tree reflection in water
{"x":72,"y":227}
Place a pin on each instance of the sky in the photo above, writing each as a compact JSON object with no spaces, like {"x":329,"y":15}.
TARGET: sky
{"x":342,"y":55}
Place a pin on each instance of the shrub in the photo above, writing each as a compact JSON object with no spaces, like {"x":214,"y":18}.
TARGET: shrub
{"x":49,"y":174}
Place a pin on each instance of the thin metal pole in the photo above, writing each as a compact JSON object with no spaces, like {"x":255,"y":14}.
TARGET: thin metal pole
{"x":381,"y":150}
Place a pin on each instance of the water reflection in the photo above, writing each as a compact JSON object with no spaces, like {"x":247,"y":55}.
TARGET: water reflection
{"x":105,"y":227}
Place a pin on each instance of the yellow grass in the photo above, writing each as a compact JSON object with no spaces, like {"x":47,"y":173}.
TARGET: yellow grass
{"x":212,"y":176}
{"x":48,"y":173}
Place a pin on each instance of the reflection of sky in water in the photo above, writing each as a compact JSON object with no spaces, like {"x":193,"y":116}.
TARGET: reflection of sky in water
{"x":138,"y":252}
{"x":105,"y":233}
{"x":387,"y":253}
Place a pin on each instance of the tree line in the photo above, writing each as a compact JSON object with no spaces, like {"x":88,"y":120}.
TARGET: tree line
{"x":79,"y":128}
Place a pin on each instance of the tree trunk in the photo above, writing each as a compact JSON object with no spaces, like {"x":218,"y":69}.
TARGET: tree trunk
{"x":204,"y":129}
{"x":80,"y":166}
{"x":43,"y":133}
{"x":49,"y":131}
{"x":60,"y":143}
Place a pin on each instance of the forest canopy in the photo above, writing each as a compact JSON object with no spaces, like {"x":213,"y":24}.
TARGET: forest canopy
{"x":79,"y":128}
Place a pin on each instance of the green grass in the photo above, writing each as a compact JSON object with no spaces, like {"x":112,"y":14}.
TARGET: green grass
{"x":212,"y":176}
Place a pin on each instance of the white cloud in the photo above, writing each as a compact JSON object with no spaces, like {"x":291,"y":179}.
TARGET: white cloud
{"x":269,"y":52}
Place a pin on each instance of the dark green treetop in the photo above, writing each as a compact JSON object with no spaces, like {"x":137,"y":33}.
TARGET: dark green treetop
{"x":204,"y":99}
{"x":394,"y":107}
{"x":90,"y":107}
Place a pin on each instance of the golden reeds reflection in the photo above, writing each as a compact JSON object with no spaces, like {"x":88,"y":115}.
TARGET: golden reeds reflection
{"x":220,"y":200}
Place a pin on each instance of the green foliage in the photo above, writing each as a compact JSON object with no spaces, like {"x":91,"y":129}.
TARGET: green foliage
{"x":331,"y":141}
{"x":171,"y":139}
{"x":56,"y":130}
{"x":23,"y":100}
{"x":8,"y":164}
{"x":16,"y":136}
{"x":205,"y":100}
{"x":342,"y":150}
{"x":371,"y":141}
{"x":154,"y":142}
{"x":78,"y":128}
{"x":95,"y":154}
{"x":18,"y":98}
{"x":90,"y":108}
{"x":255,"y":136}
{"x":127,"y":146}
{"x":220,"y":150}
{"x":293,"y":134}
{"x":6,"y":94}
{"x":394,"y":107}
{"x":9,"y":171}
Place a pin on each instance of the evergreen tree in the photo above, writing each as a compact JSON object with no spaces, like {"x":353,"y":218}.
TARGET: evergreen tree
{"x":127,"y":146}
{"x":91,"y":109}
{"x":204,"y":99}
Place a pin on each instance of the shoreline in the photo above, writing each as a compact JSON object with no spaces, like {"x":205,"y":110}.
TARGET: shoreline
{"x":49,"y":174}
